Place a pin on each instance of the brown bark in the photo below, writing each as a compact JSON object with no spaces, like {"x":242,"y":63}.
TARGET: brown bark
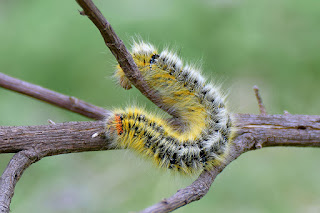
{"x":261,"y":130}
{"x":67,"y":102}
{"x":31,"y":143}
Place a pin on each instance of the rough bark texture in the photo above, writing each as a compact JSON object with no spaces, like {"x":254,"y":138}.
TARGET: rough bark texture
{"x":254,"y":132}
{"x":262,"y":130}
{"x":31,"y":143}
{"x":53,"y":139}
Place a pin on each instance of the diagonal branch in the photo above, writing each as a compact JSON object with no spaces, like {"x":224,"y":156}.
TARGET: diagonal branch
{"x":120,"y":52}
{"x":67,"y":102}
{"x":193,"y":192}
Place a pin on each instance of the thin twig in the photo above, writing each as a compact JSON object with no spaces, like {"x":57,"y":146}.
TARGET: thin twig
{"x":11,"y":175}
{"x":67,"y":102}
{"x":259,"y":99}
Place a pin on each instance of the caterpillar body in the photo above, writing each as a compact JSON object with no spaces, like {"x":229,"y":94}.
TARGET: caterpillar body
{"x":199,"y":133}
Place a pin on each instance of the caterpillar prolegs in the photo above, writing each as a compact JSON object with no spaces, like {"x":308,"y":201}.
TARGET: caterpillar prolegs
{"x":197,"y":136}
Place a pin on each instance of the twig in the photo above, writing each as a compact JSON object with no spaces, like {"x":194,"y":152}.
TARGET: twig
{"x":259,"y":99}
{"x":17,"y":165}
{"x":67,"y":102}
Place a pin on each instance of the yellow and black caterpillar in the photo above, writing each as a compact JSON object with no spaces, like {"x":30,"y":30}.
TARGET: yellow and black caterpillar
{"x":197,"y":136}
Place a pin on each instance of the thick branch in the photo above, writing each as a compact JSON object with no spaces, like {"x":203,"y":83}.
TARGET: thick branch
{"x":53,"y":139}
{"x":254,"y":131}
{"x":261,"y":130}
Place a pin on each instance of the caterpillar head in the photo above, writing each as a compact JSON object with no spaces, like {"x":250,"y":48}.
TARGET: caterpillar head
{"x":143,"y":54}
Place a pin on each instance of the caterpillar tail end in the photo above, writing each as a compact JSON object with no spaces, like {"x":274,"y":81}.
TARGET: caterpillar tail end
{"x":113,"y":128}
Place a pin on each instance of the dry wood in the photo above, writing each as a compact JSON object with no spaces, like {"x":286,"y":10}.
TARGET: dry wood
{"x":31,"y":143}
{"x":67,"y":102}
{"x":120,"y":52}
{"x":262,"y":109}
{"x":265,"y":130}
{"x":254,"y":131}
{"x":11,"y":175}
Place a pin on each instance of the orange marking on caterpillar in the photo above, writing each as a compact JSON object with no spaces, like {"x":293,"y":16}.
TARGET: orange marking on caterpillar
{"x":118,"y":119}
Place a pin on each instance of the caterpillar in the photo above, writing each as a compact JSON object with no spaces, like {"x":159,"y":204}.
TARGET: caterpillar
{"x":198,"y":135}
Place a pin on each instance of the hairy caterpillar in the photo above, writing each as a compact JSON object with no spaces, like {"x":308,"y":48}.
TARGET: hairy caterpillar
{"x":197,"y":136}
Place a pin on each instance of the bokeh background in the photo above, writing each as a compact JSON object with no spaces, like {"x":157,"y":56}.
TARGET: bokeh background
{"x":274,"y":44}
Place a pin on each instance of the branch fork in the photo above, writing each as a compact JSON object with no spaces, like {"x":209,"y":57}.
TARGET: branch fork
{"x":33,"y":143}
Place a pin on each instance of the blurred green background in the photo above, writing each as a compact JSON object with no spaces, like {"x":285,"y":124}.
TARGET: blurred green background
{"x":274,"y":44}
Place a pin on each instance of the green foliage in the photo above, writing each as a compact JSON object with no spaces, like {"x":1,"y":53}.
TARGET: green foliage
{"x":274,"y":44}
